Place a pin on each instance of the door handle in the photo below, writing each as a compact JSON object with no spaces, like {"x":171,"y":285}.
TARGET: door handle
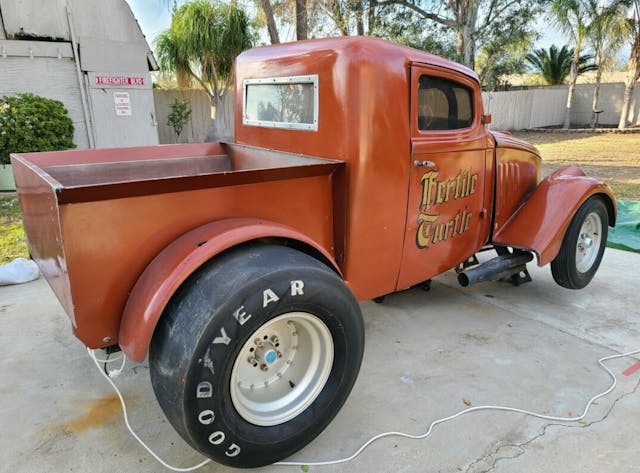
{"x":420,"y":163}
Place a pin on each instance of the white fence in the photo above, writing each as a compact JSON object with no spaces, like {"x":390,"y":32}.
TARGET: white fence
{"x":546,"y":106}
{"x":513,"y":110}
{"x":521,"y":109}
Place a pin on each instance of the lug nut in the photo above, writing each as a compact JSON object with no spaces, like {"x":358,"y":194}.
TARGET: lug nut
{"x":251,"y":360}
{"x":263,"y":367}
{"x":274,"y":339}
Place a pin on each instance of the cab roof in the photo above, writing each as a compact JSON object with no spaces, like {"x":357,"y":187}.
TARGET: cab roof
{"x":357,"y":48}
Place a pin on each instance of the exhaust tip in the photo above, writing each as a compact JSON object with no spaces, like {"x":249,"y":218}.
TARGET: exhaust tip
{"x":463,"y":279}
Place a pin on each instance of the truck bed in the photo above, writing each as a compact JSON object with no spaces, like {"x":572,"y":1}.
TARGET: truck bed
{"x":95,"y":219}
{"x":78,"y":176}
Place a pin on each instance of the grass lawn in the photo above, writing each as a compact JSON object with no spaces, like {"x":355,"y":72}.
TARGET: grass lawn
{"x":614,"y":158}
{"x":12,"y":240}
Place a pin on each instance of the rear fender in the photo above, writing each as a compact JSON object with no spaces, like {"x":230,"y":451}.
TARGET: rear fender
{"x":540,"y":223}
{"x":180,"y":259}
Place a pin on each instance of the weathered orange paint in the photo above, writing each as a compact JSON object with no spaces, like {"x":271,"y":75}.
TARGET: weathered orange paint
{"x":179,"y":260}
{"x":364,"y":120}
{"x":455,"y":154}
{"x":102,"y":246}
{"x":104,"y":224}
{"x":542,"y":220}
{"x":517,"y":174}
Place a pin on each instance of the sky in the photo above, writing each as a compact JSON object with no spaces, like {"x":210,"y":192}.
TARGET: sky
{"x":154,"y":16}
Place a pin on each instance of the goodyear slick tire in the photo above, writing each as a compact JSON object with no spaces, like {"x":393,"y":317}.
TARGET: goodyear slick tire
{"x":198,"y":340}
{"x":565,"y":268}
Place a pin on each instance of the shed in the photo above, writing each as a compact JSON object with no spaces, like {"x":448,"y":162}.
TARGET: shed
{"x":91,"y":55}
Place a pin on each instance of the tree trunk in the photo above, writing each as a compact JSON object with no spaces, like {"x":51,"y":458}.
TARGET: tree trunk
{"x":301,"y":20}
{"x":371,"y":17}
{"x":626,"y":103}
{"x":221,"y":128}
{"x":573,"y":77}
{"x":633,"y":72}
{"x":359,"y":11}
{"x":340,"y":18}
{"x":271,"y":21}
{"x":465,"y":47}
{"x":466,"y":16}
{"x":596,"y":89}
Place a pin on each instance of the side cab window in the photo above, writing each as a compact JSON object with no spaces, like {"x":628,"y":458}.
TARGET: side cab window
{"x":443,"y":104}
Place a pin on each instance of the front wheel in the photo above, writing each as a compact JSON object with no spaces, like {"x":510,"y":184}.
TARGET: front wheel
{"x":583,"y":245}
{"x":256,"y":353}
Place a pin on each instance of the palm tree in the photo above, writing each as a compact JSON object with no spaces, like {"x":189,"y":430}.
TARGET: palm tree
{"x":606,"y":36}
{"x":555,"y":64}
{"x":200,"y":46}
{"x":575,"y":18}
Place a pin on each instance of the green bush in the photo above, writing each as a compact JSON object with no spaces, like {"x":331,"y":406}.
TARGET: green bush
{"x":31,"y":123}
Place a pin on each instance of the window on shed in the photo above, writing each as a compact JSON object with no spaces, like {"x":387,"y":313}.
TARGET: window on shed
{"x":443,"y":104}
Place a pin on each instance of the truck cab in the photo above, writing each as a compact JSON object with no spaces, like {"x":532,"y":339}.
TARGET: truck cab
{"x":428,"y":185}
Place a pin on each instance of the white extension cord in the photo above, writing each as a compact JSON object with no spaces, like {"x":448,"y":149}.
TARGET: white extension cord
{"x":614,"y":382}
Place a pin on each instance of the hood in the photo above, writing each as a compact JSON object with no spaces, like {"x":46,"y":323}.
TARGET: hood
{"x":505,"y":140}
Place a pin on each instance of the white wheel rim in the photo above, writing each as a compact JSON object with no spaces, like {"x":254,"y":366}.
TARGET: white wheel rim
{"x":281,"y":369}
{"x":588,"y":244}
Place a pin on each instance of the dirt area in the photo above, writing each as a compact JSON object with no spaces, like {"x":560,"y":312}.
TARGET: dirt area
{"x":612,"y":157}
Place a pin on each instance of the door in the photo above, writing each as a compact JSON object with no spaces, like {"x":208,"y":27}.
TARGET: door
{"x":447,"y":220}
{"x":122,"y":109}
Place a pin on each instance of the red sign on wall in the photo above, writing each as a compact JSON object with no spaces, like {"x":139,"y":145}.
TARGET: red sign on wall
{"x":119,"y":80}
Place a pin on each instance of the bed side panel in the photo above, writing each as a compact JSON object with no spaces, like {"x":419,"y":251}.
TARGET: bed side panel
{"x":110,"y":242}
{"x":41,"y":220}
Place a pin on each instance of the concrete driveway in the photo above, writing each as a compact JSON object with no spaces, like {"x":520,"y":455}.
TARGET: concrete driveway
{"x":533,"y":346}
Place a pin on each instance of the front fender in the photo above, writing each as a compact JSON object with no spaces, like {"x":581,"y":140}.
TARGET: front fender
{"x":540,"y":223}
{"x":178,"y":261}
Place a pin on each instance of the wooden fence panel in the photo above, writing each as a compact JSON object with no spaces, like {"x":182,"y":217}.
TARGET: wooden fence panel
{"x":196,"y":128}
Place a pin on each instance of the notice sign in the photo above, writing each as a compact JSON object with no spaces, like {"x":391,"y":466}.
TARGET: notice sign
{"x":123,"y":104}
{"x":119,"y":80}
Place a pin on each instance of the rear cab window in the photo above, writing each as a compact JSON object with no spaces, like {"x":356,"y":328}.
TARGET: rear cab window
{"x":281,"y":102}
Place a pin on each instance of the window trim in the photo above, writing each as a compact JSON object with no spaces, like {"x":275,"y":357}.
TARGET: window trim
{"x":462,"y":84}
{"x":308,"y":79}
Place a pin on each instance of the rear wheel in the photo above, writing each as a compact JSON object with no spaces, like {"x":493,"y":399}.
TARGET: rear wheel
{"x":256,"y":353}
{"x":583,"y":245}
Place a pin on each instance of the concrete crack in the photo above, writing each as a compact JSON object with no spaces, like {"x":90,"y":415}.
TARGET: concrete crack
{"x":516,"y":450}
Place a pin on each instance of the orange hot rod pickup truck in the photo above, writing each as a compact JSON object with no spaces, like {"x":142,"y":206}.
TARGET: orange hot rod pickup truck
{"x":358,"y":168}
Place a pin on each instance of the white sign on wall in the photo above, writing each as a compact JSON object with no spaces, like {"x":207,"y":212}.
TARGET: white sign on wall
{"x":122,"y":103}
